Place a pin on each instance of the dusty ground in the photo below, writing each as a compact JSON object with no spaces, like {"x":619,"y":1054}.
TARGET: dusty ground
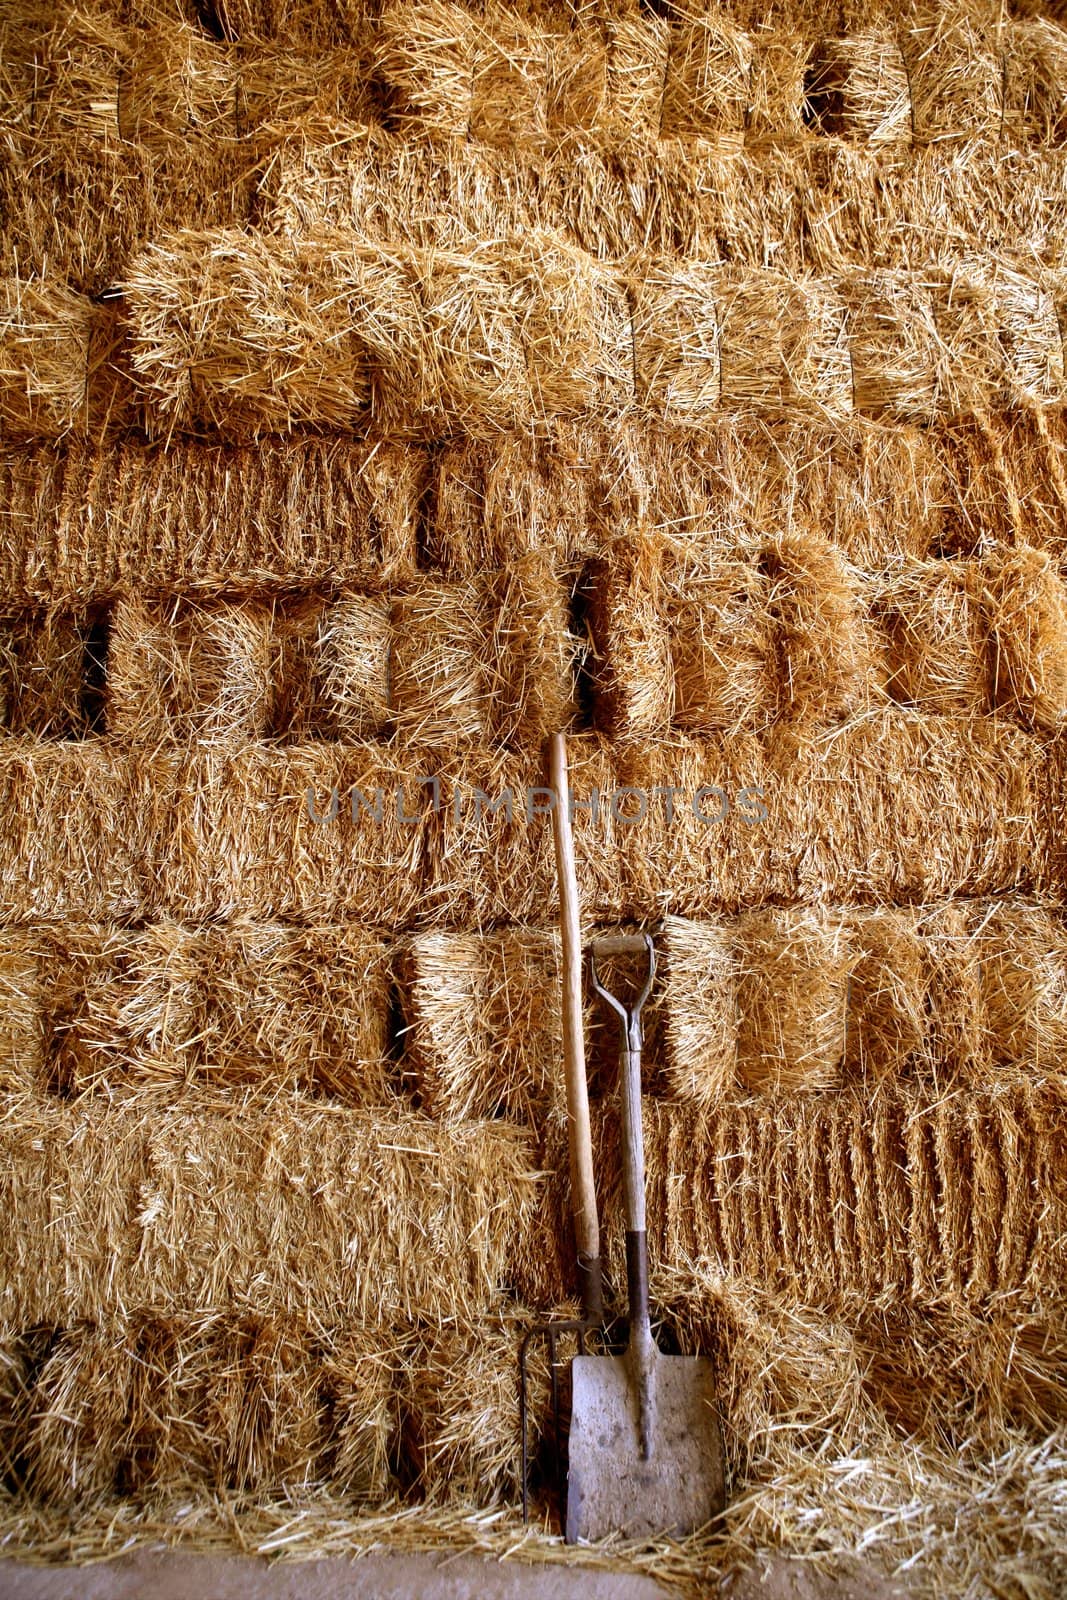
{"x":176,"y":1576}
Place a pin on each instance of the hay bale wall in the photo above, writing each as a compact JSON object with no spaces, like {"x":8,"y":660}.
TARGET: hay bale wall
{"x":382,"y":388}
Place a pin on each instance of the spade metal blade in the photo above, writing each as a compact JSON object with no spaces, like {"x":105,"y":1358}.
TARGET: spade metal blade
{"x":610,"y":1489}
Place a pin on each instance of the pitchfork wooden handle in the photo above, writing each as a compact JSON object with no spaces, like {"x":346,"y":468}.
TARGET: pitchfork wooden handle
{"x":586,"y":1225}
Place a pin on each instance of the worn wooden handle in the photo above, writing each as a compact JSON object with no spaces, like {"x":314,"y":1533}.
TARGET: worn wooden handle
{"x":619,"y":944}
{"x":586,"y":1226}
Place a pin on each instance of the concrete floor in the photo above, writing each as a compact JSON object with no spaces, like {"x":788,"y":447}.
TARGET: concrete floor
{"x":173,"y":1575}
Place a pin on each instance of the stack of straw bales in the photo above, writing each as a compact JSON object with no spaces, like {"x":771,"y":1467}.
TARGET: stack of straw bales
{"x":383,"y":387}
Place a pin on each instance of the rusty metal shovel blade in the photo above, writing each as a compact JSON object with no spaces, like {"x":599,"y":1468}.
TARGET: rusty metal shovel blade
{"x":611,"y":1487}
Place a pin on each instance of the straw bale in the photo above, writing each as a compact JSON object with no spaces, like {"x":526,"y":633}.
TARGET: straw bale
{"x":257,"y":831}
{"x":686,"y":639}
{"x":483,"y":1025}
{"x":707,"y":88}
{"x":360,"y":1430}
{"x":888,"y":985}
{"x":439,"y":689}
{"x":490,"y":862}
{"x":130,"y":1014}
{"x":41,"y":673}
{"x":677,"y":858}
{"x":676,"y":341}
{"x":998,"y":469}
{"x":76,"y":838}
{"x":258,"y":1210}
{"x":952,"y":800}
{"x":700,"y":1002}
{"x":1035,"y":80}
{"x":777,"y":86}
{"x":997,"y":333}
{"x":460,"y":1410}
{"x":576,"y":328}
{"x":933,"y":638}
{"x":189,"y":671}
{"x":231,"y":330}
{"x":824,"y":649}
{"x":1021,"y":951}
{"x":495,"y":500}
{"x":199,"y":516}
{"x":956,"y":74}
{"x":1025,"y":609}
{"x":470,"y":358}
{"x":485,"y":658}
{"x":178,"y":84}
{"x":782,"y":345}
{"x":286,"y":1008}
{"x":858,"y":89}
{"x":424,"y":55}
{"x":22,"y":1033}
{"x":281,"y":91}
{"x":577,"y":97}
{"x":72,"y":1447}
{"x":792,"y":997}
{"x":332,"y":668}
{"x":509,"y":89}
{"x":59,"y":85}
{"x":893,"y":344}
{"x":638,"y":47}
{"x":954,"y":991}
{"x":262,"y":1411}
{"x":44,"y":356}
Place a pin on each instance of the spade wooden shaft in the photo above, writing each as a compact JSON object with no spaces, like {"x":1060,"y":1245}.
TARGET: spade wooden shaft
{"x":586,"y":1226}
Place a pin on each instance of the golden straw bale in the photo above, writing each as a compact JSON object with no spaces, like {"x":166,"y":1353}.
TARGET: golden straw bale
{"x":777,"y":80}
{"x":824,"y":648}
{"x":1022,"y":596}
{"x":280,"y":92}
{"x":189,"y":671}
{"x":424,"y":58}
{"x":72,"y":1448}
{"x":954,"y":991}
{"x":258,"y":1209}
{"x":483,"y":1023}
{"x":331,"y":668}
{"x":135,"y":1019}
{"x":22,"y":1025}
{"x":509,"y":91}
{"x":577,"y":83}
{"x":576,"y":327}
{"x":313,"y":833}
{"x":782,"y":344}
{"x":1022,"y":959}
{"x":956,"y":74}
{"x":360,"y":1430}
{"x":638,"y":47}
{"x":999,"y":336}
{"x":886,"y":1034}
{"x":178,"y":84}
{"x":439,"y":689}
{"x":858,"y":89}
{"x":283,"y":1008}
{"x":634,"y":675}
{"x":230,"y":329}
{"x":495,"y":499}
{"x":707,"y":89}
{"x":933,"y":638}
{"x":1035,"y":80}
{"x":45,"y":331}
{"x":676,"y":341}
{"x":894,"y":346}
{"x":470,"y":360}
{"x":792,"y":997}
{"x":460,"y":1409}
{"x":703,"y":834}
{"x":700,"y":1002}
{"x":59,"y":83}
{"x":262,"y":1410}
{"x":76,"y":836}
{"x":490,"y":841}
{"x":42,"y":673}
